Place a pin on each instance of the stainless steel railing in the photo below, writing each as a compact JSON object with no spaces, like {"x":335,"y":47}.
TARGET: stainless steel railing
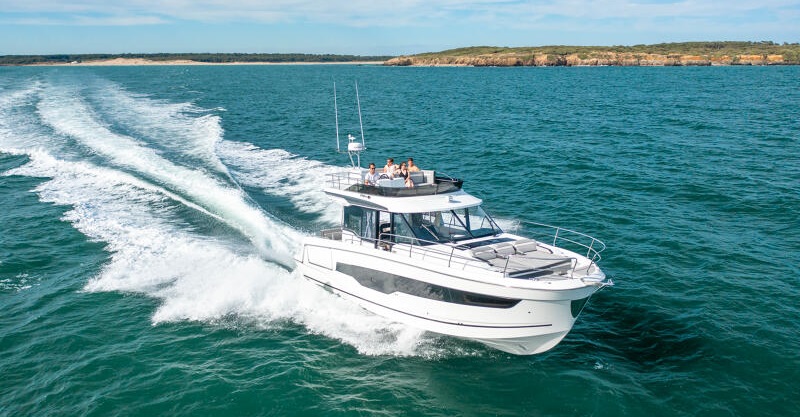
{"x":388,"y":241}
{"x":342,"y":180}
{"x":592,"y":245}
{"x":564,"y":238}
{"x":418,"y":246}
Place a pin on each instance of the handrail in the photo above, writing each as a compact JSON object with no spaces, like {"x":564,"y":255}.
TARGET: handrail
{"x":386,"y":240}
{"x":413,"y":242}
{"x":353,"y":181}
{"x":593,"y":247}
{"x":342,"y":180}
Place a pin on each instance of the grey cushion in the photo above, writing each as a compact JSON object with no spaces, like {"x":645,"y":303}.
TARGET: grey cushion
{"x":394,"y":183}
{"x":417,"y":177}
{"x":525,"y":245}
{"x":503,"y":249}
{"x":483,"y":253}
{"x":428,"y":175}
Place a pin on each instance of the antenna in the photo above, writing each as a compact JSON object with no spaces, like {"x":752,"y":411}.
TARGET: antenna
{"x":358,"y":101}
{"x":336,"y":112}
{"x":353,"y":147}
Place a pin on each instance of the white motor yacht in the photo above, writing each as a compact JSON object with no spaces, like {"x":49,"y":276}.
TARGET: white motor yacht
{"x":431,"y":257}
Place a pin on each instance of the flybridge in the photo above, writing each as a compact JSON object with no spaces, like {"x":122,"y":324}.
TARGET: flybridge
{"x":427,"y":182}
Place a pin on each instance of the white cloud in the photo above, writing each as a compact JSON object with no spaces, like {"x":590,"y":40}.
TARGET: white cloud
{"x":370,"y":13}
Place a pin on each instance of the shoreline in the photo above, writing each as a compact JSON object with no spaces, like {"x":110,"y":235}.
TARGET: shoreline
{"x":118,"y":62}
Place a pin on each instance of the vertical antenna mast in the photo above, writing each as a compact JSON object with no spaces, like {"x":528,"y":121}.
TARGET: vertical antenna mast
{"x":336,"y":112}
{"x":353,"y":148}
{"x":358,"y":101}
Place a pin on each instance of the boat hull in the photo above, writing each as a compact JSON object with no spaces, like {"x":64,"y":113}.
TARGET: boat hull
{"x":512,"y":315}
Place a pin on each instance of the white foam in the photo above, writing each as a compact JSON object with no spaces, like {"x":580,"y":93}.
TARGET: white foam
{"x":507,"y":225}
{"x":151,"y":251}
{"x":195,"y":277}
{"x":278,"y":172}
{"x":180,"y":127}
{"x":19,"y":283}
{"x":64,"y":110}
{"x":20,"y":129}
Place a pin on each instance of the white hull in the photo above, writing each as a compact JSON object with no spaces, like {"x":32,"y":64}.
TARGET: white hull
{"x":519,"y":316}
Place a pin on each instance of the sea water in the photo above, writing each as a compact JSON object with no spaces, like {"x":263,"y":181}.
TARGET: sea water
{"x":148,"y":217}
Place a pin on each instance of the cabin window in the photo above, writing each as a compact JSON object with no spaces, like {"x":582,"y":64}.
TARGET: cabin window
{"x":352,"y":219}
{"x":388,"y":283}
{"x":429,"y":227}
{"x":368,"y":221}
{"x":479,"y":223}
{"x":424,"y":227}
{"x":402,"y":230}
{"x":385,"y":228}
{"x":461,"y":224}
{"x":452,"y":226}
{"x":360,"y":220}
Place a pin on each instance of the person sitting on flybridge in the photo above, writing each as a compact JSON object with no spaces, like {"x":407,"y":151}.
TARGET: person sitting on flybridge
{"x":412,"y":167}
{"x":390,"y":168}
{"x":405,"y":175}
{"x":371,"y":177}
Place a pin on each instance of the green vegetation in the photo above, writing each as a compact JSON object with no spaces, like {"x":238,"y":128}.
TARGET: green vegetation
{"x":682,"y":48}
{"x":789,"y":51}
{"x":199,"y":57}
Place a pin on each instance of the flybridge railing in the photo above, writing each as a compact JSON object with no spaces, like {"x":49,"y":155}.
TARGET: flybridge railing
{"x":353,"y":181}
{"x":343,"y":180}
{"x":564,"y":238}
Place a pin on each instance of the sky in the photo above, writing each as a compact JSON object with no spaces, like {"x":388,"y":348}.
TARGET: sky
{"x":378,"y":27}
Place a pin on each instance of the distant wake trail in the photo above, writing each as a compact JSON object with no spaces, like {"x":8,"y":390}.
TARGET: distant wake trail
{"x":130,"y":168}
{"x":68,"y":114}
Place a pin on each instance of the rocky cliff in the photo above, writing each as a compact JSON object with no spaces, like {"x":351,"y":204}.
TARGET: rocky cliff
{"x":586,"y":59}
{"x":663,"y":54}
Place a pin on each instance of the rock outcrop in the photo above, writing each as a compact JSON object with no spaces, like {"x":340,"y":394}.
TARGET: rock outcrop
{"x":583,"y":59}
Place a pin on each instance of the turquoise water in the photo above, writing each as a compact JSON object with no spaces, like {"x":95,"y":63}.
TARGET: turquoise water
{"x":146,"y":214}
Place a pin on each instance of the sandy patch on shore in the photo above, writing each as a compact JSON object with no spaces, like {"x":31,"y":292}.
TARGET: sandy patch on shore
{"x":143,"y":61}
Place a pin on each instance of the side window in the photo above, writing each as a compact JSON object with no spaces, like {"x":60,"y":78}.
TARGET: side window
{"x":422,"y":225}
{"x":384,"y":225}
{"x":402,"y":231}
{"x":352,"y":219}
{"x":432,"y":227}
{"x":368,"y":223}
{"x":360,"y":220}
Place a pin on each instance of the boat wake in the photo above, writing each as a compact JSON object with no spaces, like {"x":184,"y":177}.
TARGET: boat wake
{"x":158,"y":184}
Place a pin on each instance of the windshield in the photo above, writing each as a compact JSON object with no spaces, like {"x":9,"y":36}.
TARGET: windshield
{"x":453,"y":225}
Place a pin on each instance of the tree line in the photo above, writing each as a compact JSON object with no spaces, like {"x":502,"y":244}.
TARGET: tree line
{"x":789,"y":51}
{"x":198,"y":57}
